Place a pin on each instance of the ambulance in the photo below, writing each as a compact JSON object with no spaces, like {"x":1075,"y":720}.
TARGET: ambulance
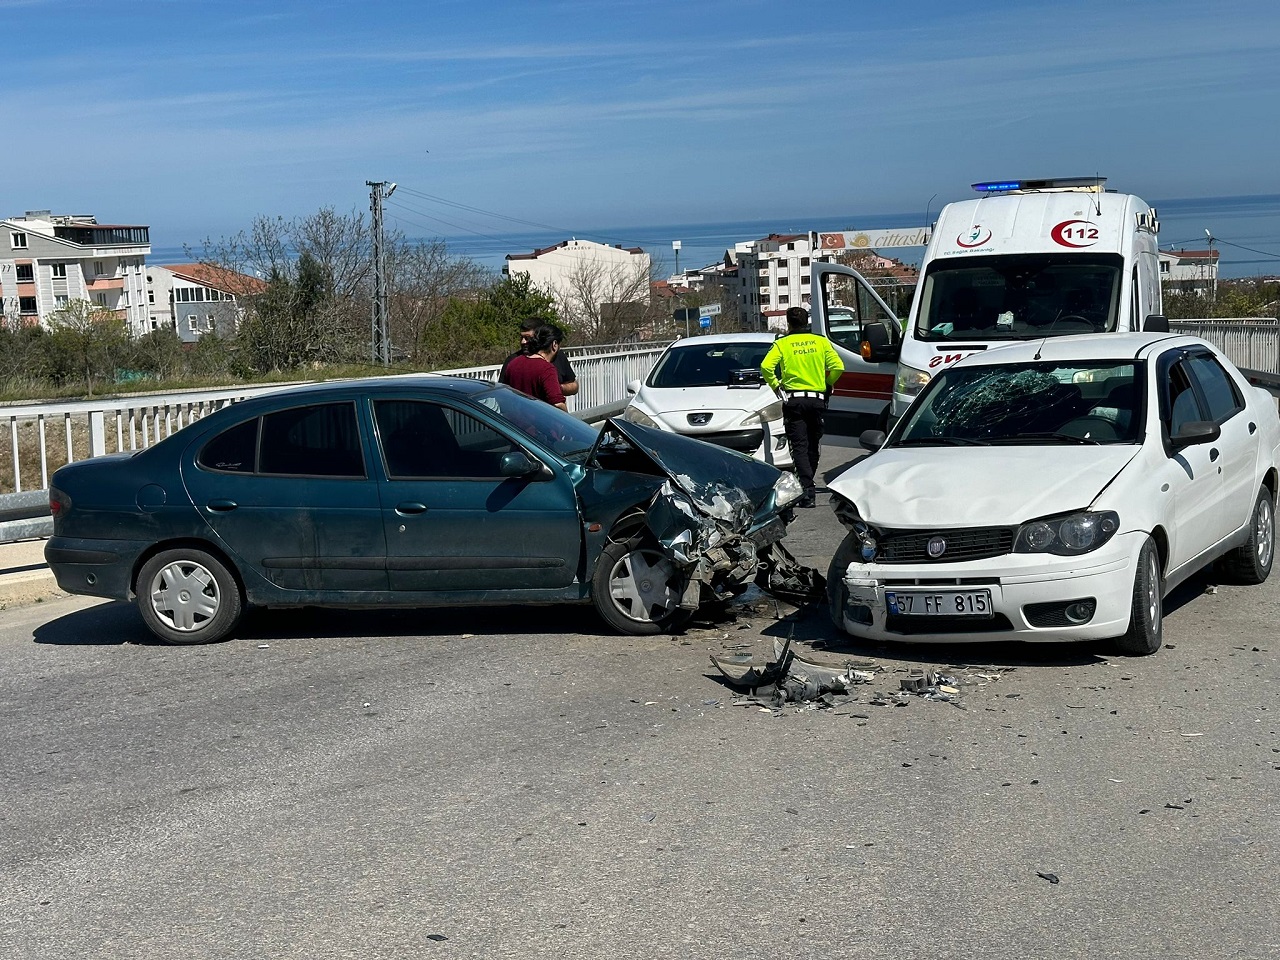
{"x":1027,"y":259}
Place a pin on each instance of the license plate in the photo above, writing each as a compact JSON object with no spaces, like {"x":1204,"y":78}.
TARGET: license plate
{"x":939,"y":603}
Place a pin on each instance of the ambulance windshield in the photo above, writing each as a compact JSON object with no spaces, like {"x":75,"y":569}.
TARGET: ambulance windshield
{"x":1019,"y":297}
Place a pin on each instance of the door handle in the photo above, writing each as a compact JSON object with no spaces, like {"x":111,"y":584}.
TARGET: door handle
{"x":221,"y":506}
{"x":1213,"y":454}
{"x":411,"y":507}
{"x":1253,"y":427}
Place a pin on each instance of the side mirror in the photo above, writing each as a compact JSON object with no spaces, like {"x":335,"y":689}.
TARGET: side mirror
{"x":1155,"y":324}
{"x":1194,"y":432}
{"x":872,"y":440}
{"x":880,"y":345}
{"x":517,"y":463}
{"x":633,"y":386}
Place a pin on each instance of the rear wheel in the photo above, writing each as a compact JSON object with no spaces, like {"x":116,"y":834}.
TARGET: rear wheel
{"x":1146,"y":618}
{"x":636,"y":588}
{"x":186,"y":596}
{"x":1251,"y":561}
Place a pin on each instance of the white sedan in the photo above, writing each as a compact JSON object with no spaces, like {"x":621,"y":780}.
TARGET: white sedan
{"x":1058,"y":490}
{"x":710,"y":388}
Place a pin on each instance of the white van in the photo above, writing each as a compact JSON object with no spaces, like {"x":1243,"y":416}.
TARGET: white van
{"x":1030,"y":258}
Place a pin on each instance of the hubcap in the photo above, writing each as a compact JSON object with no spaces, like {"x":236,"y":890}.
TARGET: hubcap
{"x":1153,"y":593}
{"x":640,"y":585}
{"x":185,"y":595}
{"x":1264,"y":532}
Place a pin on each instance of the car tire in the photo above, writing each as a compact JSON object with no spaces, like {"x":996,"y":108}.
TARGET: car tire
{"x":1251,"y":561}
{"x":636,"y":588}
{"x":836,"y":593}
{"x":186,"y":597}
{"x":1146,"y":617}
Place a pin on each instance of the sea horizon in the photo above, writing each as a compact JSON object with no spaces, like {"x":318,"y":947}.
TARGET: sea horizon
{"x":1246,"y":232}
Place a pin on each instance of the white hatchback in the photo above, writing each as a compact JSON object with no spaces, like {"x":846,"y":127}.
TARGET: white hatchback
{"x":1057,"y":490}
{"x":710,"y":388}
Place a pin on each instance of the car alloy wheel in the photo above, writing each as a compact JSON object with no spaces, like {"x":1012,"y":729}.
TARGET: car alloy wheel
{"x":1146,"y":617}
{"x":1251,"y":561}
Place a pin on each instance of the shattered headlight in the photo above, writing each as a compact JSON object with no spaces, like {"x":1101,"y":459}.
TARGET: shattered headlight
{"x":1068,"y":534}
{"x":633,"y":414}
{"x":866,"y":536}
{"x":772,"y":412}
{"x":787,"y":490}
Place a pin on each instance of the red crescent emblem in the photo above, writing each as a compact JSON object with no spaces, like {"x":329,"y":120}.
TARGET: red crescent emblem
{"x":1075,"y":233}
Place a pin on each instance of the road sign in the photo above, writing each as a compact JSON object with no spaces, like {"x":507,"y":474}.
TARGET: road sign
{"x":710,"y":310}
{"x":704,"y":323}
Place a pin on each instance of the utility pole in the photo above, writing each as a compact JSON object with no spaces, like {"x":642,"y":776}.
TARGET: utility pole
{"x":380,"y":337}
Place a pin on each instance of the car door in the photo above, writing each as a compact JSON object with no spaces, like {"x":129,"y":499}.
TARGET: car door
{"x":453,"y":522}
{"x":1193,"y":474}
{"x":289,"y":494}
{"x":1224,"y":404}
{"x":842,"y":306}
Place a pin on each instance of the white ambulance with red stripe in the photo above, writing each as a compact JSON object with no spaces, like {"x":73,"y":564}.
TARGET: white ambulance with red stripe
{"x":1027,"y":259}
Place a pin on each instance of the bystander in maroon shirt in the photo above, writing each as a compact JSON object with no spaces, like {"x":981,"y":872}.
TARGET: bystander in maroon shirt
{"x":536,"y":376}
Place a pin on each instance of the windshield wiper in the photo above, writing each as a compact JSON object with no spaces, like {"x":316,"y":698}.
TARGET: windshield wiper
{"x":1063,"y":437}
{"x":941,"y":442}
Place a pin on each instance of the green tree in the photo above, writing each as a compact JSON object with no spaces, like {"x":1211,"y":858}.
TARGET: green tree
{"x":87,"y":343}
{"x":158,"y":354}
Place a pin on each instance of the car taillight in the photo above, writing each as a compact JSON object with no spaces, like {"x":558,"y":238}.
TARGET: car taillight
{"x":59,"y":503}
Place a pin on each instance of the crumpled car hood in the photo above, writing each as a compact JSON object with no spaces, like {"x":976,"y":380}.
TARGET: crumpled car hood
{"x":978,"y":486}
{"x":721,"y":483}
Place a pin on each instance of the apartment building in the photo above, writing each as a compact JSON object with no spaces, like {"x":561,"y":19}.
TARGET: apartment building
{"x":197,"y":299}
{"x":48,"y":260}
{"x":1189,"y":271}
{"x":576,"y":269}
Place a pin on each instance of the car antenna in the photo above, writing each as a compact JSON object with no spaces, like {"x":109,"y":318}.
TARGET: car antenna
{"x":1043,"y":341}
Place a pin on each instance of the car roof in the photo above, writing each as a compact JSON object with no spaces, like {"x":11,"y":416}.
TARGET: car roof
{"x":723,"y":339}
{"x":1085,"y":347}
{"x":432,"y":383}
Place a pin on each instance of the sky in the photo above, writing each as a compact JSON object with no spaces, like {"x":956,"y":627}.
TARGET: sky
{"x":197,"y":116}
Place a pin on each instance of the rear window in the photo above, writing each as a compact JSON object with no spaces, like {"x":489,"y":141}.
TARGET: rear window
{"x":232,"y":451}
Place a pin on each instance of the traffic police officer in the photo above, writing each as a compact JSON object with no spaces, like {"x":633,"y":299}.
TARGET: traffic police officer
{"x":802,"y":368}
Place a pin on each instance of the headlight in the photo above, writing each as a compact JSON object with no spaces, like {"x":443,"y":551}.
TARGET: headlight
{"x":787,"y":489}
{"x":634,"y":414}
{"x":772,"y":412}
{"x":866,"y":536}
{"x":1067,"y":535}
{"x":911,"y":381}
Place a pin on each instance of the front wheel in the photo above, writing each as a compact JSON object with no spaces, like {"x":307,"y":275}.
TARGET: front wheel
{"x":1146,"y":618}
{"x":636,"y":588}
{"x":1251,"y":561}
{"x":187,"y":596}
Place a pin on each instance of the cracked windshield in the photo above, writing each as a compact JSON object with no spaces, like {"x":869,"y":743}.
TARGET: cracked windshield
{"x":1038,"y":403}
{"x":1019,"y":297}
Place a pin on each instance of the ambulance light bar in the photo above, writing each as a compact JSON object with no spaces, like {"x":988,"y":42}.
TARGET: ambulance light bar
{"x":1079,"y":184}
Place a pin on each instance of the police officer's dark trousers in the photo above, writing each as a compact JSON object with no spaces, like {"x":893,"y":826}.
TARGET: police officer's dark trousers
{"x":802,"y":419}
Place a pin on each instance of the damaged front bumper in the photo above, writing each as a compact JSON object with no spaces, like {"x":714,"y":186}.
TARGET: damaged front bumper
{"x":722,"y":546}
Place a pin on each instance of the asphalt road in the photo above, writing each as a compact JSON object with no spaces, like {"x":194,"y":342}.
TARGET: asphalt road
{"x":517,"y":783}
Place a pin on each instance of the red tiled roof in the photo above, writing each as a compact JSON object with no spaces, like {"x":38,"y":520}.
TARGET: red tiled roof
{"x":219,"y":278}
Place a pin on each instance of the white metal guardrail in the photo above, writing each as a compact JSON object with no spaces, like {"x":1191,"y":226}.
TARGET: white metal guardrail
{"x":1252,"y":344}
{"x":43,"y":436}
